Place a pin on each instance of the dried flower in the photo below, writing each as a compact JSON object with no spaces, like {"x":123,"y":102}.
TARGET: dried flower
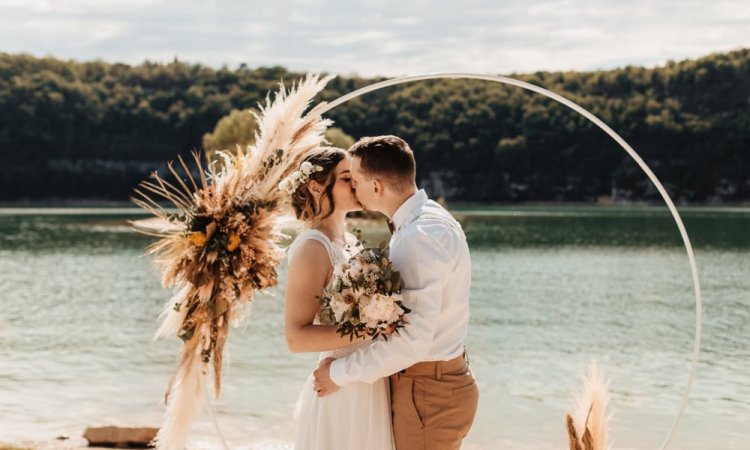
{"x":234,"y":242}
{"x":299,"y":177}
{"x":233,"y":205}
{"x":198,"y":238}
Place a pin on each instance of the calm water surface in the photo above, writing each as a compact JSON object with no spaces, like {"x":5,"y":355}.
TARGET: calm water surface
{"x":552,"y":289}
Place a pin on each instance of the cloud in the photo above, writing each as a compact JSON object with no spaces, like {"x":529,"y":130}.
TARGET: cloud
{"x":383,"y":37}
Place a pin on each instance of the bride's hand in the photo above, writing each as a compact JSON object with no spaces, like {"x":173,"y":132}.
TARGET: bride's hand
{"x":323,"y":384}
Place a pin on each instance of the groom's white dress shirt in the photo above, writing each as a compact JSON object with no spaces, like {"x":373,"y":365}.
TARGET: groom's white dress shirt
{"x":429,"y":249}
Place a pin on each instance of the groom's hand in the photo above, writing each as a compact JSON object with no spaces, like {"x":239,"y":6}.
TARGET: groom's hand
{"x":323,"y":383}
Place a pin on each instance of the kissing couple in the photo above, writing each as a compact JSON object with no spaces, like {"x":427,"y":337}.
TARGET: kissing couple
{"x":414,"y":390}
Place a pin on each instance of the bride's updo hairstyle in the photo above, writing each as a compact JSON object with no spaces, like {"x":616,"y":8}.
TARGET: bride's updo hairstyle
{"x":306,"y":208}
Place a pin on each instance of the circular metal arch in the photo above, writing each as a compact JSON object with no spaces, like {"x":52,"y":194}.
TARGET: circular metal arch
{"x":633,"y":154}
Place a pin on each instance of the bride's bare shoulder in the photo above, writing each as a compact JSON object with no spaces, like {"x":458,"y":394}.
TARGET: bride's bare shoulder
{"x":311,"y":251}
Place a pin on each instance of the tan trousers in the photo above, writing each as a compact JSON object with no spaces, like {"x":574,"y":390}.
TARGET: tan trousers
{"x":434,"y":404}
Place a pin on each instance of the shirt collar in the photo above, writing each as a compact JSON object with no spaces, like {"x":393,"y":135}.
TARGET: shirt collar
{"x":409,"y":209}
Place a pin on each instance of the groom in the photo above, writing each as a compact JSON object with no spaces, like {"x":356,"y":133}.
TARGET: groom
{"x":433,"y":392}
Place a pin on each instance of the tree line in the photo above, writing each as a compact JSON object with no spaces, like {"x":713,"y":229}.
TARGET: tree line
{"x":93,"y":130}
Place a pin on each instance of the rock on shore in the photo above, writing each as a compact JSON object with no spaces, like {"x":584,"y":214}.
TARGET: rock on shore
{"x":120,"y":437}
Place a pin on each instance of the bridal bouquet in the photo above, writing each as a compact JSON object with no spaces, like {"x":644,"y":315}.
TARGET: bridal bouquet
{"x":364,"y":296}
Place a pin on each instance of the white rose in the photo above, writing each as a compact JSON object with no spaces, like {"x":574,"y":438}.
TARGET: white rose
{"x":366,"y":313}
{"x":379,"y":308}
{"x":306,"y":167}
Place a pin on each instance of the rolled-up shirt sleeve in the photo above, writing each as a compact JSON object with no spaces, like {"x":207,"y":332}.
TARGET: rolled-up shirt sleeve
{"x":423,"y":263}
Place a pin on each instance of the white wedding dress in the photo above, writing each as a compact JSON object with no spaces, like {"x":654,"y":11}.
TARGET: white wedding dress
{"x":356,"y":416}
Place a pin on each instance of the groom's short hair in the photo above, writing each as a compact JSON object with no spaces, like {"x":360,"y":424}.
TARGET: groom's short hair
{"x":388,"y":157}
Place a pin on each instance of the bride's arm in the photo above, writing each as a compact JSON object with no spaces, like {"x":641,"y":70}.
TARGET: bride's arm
{"x":308,"y":272}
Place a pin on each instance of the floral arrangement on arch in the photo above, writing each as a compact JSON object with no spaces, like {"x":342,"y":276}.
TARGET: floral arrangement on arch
{"x":221,"y":246}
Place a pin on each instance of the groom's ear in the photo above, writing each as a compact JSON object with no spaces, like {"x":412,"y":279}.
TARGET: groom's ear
{"x":378,"y":187}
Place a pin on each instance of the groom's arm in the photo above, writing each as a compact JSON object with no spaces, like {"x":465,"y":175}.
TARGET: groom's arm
{"x":423,"y":263}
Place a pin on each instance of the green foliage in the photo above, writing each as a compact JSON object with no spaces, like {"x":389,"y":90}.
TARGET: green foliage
{"x":95,"y":129}
{"x":338,"y":138}
{"x":236,"y":129}
{"x":239,"y":128}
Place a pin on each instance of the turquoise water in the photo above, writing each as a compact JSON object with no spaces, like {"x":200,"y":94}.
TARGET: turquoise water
{"x":552,"y":288}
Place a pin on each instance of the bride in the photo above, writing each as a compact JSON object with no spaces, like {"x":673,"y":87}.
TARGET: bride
{"x":357,"y":416}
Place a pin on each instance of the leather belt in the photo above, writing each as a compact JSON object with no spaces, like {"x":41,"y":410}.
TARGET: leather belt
{"x":436,"y":368}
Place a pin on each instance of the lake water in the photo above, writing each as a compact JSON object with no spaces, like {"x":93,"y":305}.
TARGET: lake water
{"x":552,"y":288}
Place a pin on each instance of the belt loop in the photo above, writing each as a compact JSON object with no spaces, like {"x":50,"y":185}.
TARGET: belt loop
{"x":438,"y":370}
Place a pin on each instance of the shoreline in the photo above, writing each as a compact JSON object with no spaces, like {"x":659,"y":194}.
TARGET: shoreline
{"x":452,"y":206}
{"x":80,"y":443}
{"x":51,"y":444}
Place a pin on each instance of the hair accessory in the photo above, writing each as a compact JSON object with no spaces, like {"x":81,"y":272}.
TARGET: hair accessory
{"x":299,"y":177}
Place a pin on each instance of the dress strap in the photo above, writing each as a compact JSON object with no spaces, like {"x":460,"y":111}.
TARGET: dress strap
{"x":315,"y":235}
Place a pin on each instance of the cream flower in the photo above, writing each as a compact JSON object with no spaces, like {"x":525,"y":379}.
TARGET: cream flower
{"x":355,"y":268}
{"x":379,"y":308}
{"x":299,"y":177}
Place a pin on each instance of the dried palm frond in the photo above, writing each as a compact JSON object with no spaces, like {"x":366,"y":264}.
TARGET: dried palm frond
{"x":588,"y":424}
{"x":221,"y":247}
{"x":574,"y":442}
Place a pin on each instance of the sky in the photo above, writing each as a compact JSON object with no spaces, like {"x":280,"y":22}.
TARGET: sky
{"x":379,"y":37}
